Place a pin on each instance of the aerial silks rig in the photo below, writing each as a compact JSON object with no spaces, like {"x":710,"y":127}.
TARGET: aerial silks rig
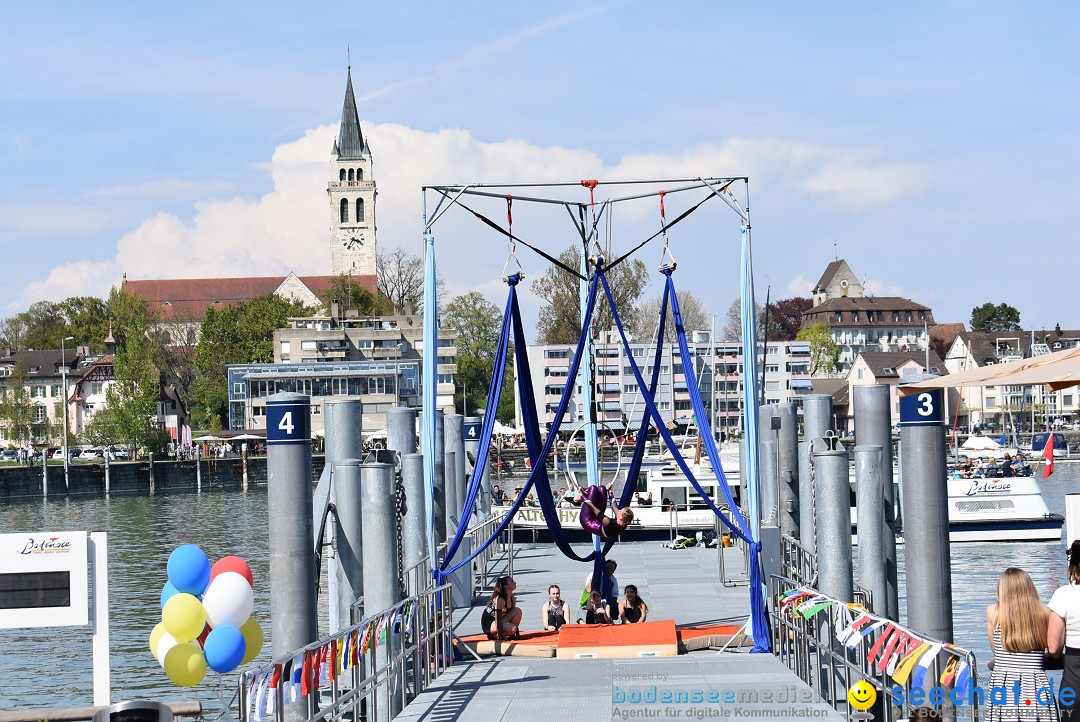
{"x":596,"y":264}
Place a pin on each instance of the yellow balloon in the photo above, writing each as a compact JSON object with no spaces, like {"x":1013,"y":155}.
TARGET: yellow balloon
{"x":185,"y":664}
{"x":156,"y":634}
{"x":253,"y":637}
{"x":184,"y":617}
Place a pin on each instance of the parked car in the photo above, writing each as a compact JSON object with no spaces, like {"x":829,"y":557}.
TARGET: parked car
{"x":116,"y":453}
{"x":9,"y":455}
{"x":91,"y":454}
{"x":53,"y":452}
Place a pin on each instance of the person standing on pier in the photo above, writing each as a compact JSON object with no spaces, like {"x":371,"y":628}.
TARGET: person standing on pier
{"x":1017,"y":628}
{"x":1063,"y":634}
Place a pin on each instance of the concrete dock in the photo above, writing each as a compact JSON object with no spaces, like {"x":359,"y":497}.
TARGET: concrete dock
{"x":683,"y":585}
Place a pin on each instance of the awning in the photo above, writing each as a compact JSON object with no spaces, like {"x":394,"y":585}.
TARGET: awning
{"x":802,"y":384}
{"x":1058,"y":370}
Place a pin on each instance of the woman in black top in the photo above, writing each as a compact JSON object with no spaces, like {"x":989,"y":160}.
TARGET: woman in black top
{"x":633,"y":608}
{"x":555,"y":612}
{"x":502,"y":615}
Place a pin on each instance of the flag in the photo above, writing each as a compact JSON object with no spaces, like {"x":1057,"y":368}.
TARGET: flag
{"x":1048,"y":454}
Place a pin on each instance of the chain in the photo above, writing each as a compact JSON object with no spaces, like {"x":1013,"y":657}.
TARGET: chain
{"x":400,"y":505}
{"x":813,"y":504}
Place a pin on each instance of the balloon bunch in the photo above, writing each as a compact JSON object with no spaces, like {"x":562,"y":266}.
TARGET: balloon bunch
{"x":205,"y":617}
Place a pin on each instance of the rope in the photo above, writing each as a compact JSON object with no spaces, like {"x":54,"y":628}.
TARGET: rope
{"x":677,"y":220}
{"x":487,"y":221}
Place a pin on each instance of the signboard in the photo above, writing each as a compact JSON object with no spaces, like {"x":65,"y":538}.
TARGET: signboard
{"x":288,"y":422}
{"x":44,"y":580}
{"x":923,"y":409}
{"x":472,"y":431}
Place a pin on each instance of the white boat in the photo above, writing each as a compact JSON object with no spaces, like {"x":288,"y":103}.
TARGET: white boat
{"x":1002,"y":509}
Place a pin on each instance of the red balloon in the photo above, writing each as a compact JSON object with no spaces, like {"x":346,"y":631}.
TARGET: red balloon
{"x":202,"y":637}
{"x":232,"y":564}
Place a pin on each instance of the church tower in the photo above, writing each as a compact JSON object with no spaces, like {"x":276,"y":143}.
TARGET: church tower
{"x":352,"y":196}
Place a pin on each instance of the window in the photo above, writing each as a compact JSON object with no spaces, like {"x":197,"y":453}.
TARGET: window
{"x":676,"y":368}
{"x":307,"y":345}
{"x":772,"y":385}
{"x":896,"y":316}
{"x":665,"y":406}
{"x":859,"y":374}
{"x":238,"y":388}
{"x":854,"y":316}
{"x":637,"y":352}
{"x":682,"y":406}
{"x":632,"y":388}
{"x":772,"y":368}
{"x":56,"y":393}
{"x":39,"y":392}
{"x":446,"y":378}
{"x":39,"y":414}
{"x":991,"y":402}
{"x":359,"y":174}
{"x":556,"y":353}
{"x":839,"y":316}
{"x":286,"y":347}
{"x":344,"y":218}
{"x":359,"y":210}
{"x":1067,"y":400}
{"x":350,"y":174}
{"x":922,"y":315}
{"x":341,"y":175}
{"x":96,"y":388}
{"x":772,"y":350}
{"x":663,"y":370}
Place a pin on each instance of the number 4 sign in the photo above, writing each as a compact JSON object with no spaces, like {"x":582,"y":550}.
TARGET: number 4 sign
{"x":922,"y":409}
{"x":288,"y":422}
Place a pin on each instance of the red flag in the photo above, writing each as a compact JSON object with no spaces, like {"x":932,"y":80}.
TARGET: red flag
{"x":1048,"y":454}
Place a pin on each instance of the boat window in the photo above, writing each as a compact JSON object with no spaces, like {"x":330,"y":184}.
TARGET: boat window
{"x":642,"y":482}
{"x":976,"y":506}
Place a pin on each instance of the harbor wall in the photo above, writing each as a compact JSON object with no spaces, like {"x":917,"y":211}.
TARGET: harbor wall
{"x":134,"y":477}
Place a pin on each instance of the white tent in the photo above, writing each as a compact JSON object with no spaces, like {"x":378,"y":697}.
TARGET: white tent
{"x":504,"y":430}
{"x":980,"y":443}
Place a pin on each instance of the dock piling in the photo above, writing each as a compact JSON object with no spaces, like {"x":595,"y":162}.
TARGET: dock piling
{"x":833,"y":509}
{"x":870,"y":510}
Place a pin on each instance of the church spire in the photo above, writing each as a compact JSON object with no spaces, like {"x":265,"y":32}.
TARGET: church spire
{"x":350,"y":142}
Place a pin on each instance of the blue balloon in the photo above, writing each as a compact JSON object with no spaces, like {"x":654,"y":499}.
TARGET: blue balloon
{"x":189,"y":569}
{"x":167,"y":591}
{"x":224,"y":648}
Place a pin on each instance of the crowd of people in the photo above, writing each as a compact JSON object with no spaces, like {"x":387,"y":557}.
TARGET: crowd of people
{"x":989,"y":468}
{"x":502,"y":617}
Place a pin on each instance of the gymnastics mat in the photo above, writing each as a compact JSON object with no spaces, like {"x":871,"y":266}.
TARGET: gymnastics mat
{"x":614,"y":641}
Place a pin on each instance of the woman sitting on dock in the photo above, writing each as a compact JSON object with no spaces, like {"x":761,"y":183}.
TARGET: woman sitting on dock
{"x":1017,"y":627}
{"x":502,"y":615}
{"x":594,"y":500}
{"x":633,"y":608}
{"x":555,"y":612}
{"x":596,"y":612}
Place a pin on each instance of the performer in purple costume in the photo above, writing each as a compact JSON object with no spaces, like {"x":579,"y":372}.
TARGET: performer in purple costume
{"x":593,"y":500}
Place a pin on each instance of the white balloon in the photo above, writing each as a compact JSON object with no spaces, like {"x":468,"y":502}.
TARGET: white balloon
{"x":228,"y":600}
{"x":164,"y":644}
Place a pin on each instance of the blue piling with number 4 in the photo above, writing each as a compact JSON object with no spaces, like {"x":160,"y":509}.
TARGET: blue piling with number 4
{"x":293,"y":611}
{"x":926,"y":513}
{"x":472,"y":446}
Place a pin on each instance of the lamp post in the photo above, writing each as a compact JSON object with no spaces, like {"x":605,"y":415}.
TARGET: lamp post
{"x":63,"y":376}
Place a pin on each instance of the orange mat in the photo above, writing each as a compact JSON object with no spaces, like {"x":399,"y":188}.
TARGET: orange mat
{"x":540,"y":638}
{"x":649,"y":639}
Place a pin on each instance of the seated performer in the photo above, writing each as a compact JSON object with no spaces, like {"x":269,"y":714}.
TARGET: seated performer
{"x":593,"y":500}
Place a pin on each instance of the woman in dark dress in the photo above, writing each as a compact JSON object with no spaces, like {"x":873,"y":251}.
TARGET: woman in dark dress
{"x":502,"y":615}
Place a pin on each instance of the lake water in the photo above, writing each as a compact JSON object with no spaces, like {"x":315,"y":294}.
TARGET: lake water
{"x":53,"y":667}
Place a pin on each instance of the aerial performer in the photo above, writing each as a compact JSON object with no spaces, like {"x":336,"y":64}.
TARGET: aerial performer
{"x":594,"y":501}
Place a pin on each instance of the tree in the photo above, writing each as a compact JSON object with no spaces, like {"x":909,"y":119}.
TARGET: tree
{"x":694,"y":314}
{"x":732,"y":330}
{"x":785,"y":317}
{"x":824,"y":353}
{"x":131,"y":401}
{"x":989,"y":317}
{"x":45,"y":323}
{"x":477,"y":322}
{"x":400,"y":277}
{"x":560,"y":316}
{"x":354,"y":297}
{"x":16,"y":409}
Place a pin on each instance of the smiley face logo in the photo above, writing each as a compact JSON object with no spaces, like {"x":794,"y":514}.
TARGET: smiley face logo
{"x":862,"y":695}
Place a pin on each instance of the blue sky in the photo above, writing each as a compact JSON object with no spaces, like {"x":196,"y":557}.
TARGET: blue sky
{"x":933,"y":143}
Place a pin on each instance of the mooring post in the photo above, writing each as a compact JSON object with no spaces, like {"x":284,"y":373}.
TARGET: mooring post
{"x":45,"y":475}
{"x":926,"y":514}
{"x":870,"y":511}
{"x":348,"y":558}
{"x":472,"y":428}
{"x":806,"y":499}
{"x":454,"y":443}
{"x":293,"y":576}
{"x":343,"y":420}
{"x":873,"y":426}
{"x":198,"y":468}
{"x":817,"y":419}
{"x":439,"y":489}
{"x":380,"y":563}
{"x":833,"y":509}
{"x":107,"y":465}
{"x":401,"y":430}
{"x":787,"y":468}
{"x":243,"y":464}
{"x":768,"y":425}
{"x":414,"y":541}
{"x":153,"y":486}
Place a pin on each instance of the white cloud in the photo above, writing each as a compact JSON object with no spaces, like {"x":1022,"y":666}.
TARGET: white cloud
{"x":164,"y":189}
{"x":288,"y":227}
{"x":800,"y":286}
{"x":874,"y":287}
{"x":48,"y":218}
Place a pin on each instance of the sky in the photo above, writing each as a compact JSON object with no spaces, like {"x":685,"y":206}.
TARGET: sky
{"x":931,"y":145}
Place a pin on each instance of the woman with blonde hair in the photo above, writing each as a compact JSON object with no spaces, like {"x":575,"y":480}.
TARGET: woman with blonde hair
{"x":1063,"y":634}
{"x":1017,"y":627}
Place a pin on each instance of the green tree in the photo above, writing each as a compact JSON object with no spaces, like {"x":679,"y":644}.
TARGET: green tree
{"x":989,"y":317}
{"x":560,"y":316}
{"x":45,"y":323}
{"x":354,"y":297}
{"x":477,"y":322}
{"x":17,"y":410}
{"x":824,"y":353}
{"x":132,"y":400}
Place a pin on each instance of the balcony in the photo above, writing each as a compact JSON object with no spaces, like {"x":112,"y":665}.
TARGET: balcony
{"x":384,"y":352}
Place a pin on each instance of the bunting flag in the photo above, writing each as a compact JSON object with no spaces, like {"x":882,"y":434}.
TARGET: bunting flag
{"x":963,"y":680}
{"x":905,"y":667}
{"x":880,"y":643}
{"x":949,"y":673}
{"x":295,"y":686}
{"x":331,"y":668}
{"x":923,"y":668}
{"x":853,"y":629}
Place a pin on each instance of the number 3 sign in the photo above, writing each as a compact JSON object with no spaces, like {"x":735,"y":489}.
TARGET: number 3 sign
{"x":922,"y":409}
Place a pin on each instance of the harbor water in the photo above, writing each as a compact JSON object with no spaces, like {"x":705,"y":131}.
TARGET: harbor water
{"x":53,"y":667}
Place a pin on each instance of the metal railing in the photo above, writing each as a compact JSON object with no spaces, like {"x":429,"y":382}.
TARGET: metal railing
{"x":401,"y":651}
{"x":737,"y":544}
{"x":800,"y":565}
{"x":809,"y":647}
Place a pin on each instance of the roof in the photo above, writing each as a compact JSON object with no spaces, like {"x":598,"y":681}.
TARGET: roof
{"x":47,"y":361}
{"x":350,"y":142}
{"x":983,"y":345}
{"x":837,"y":388}
{"x":846,"y":304}
{"x":883,"y":364}
{"x":830,"y":271}
{"x":946,"y":333}
{"x":186,"y":299}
